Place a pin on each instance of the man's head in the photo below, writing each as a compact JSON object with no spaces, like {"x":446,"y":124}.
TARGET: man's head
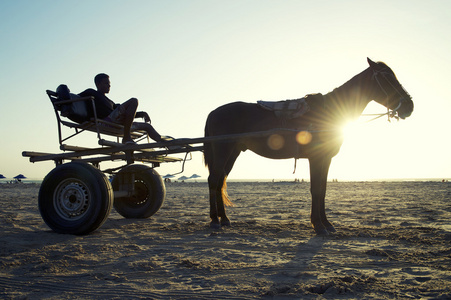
{"x":102,"y":82}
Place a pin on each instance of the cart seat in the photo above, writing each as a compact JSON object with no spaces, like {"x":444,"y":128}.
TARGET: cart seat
{"x":77,"y":111}
{"x":79,"y":114}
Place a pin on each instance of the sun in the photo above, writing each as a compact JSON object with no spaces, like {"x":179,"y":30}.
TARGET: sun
{"x":367,"y":150}
{"x":352,"y":129}
{"x":355,"y":153}
{"x":356,"y":137}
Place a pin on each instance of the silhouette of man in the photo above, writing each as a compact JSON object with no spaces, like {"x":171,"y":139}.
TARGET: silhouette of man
{"x":123,"y":114}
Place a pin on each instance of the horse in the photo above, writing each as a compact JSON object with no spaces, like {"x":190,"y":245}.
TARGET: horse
{"x":314,"y":135}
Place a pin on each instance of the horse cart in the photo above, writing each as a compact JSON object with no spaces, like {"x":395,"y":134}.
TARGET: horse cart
{"x":76,"y":197}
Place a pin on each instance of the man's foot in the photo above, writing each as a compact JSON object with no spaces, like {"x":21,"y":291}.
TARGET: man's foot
{"x":168,"y":139}
{"x":175,"y":147}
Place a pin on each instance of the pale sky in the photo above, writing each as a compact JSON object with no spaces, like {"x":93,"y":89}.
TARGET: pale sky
{"x":182,"y":59}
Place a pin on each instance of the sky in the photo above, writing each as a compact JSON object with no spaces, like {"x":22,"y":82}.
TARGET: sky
{"x":183,"y":59}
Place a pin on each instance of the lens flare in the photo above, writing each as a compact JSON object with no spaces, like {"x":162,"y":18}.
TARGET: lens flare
{"x":304,"y":137}
{"x":276,"y":141}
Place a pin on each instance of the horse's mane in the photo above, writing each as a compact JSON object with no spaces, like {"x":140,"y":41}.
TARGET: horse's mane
{"x":381,"y":64}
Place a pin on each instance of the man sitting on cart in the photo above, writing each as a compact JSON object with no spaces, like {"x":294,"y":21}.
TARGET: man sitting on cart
{"x":123,"y":114}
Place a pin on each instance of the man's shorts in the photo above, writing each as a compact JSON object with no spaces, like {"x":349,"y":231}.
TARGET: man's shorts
{"x":117,"y":116}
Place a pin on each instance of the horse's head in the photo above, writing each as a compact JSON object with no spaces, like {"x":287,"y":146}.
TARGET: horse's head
{"x":389,"y":92}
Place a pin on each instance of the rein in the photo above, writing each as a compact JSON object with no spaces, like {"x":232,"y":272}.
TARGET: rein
{"x":390,"y":114}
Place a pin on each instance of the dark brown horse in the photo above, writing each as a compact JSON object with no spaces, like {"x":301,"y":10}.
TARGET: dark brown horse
{"x":314,"y":135}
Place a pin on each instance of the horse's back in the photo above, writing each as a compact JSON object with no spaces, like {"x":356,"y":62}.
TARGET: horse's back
{"x":239,"y":117}
{"x":230,"y":118}
{"x":231,"y":108}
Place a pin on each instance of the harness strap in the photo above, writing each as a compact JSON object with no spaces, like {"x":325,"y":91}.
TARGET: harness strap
{"x":391,"y":114}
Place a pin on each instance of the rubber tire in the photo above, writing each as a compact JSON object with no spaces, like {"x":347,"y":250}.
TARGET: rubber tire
{"x":149,"y":195}
{"x":75,"y":198}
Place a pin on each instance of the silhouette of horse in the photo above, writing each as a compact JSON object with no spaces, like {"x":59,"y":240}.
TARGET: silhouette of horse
{"x":315,"y":135}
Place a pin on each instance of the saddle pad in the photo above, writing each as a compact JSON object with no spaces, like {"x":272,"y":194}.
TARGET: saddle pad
{"x":287,"y":109}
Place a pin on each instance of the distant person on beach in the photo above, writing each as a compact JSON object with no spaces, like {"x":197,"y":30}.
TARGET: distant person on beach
{"x":123,"y":114}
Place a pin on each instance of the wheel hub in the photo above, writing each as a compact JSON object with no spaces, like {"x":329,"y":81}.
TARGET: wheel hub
{"x":141,"y":192}
{"x":71,"y":199}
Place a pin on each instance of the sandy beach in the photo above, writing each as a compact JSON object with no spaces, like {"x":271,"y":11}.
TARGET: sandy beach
{"x":393,"y":242}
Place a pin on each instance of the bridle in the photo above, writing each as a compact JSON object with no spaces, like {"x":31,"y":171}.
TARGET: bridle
{"x":391,"y":113}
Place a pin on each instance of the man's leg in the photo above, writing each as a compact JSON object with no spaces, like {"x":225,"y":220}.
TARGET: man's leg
{"x":153,"y":134}
{"x":130,"y":108}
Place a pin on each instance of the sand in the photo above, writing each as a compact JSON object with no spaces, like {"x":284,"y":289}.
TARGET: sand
{"x":393,"y":242}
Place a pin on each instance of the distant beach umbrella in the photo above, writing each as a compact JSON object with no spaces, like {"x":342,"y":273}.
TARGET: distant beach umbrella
{"x":183,"y":178}
{"x":194,"y":176}
{"x":1,"y":176}
{"x":19,"y":178}
{"x":168,"y":176}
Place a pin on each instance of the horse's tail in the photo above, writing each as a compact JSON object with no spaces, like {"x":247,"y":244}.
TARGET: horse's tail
{"x":225,"y":196}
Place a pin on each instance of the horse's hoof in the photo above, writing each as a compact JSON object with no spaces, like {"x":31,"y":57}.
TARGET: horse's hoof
{"x":322,"y":232}
{"x":215,"y":225}
{"x":225,"y":222}
{"x":331,"y":229}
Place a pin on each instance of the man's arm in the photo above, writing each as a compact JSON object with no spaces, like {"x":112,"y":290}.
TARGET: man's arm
{"x":104,"y":106}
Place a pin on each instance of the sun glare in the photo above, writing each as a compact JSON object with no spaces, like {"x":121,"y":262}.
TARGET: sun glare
{"x":366,"y":146}
{"x":351,"y":130}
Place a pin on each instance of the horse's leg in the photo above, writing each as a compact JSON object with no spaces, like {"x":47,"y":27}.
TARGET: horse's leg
{"x":219,"y":169}
{"x":215,"y":182}
{"x":319,"y":168}
{"x":325,"y":172}
{"x":225,"y":221}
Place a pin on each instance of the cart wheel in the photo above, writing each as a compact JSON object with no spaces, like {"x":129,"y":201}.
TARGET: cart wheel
{"x":75,"y":198}
{"x":148,"y":196}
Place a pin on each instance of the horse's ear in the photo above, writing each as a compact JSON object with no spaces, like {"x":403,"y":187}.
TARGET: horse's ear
{"x":372,"y":63}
